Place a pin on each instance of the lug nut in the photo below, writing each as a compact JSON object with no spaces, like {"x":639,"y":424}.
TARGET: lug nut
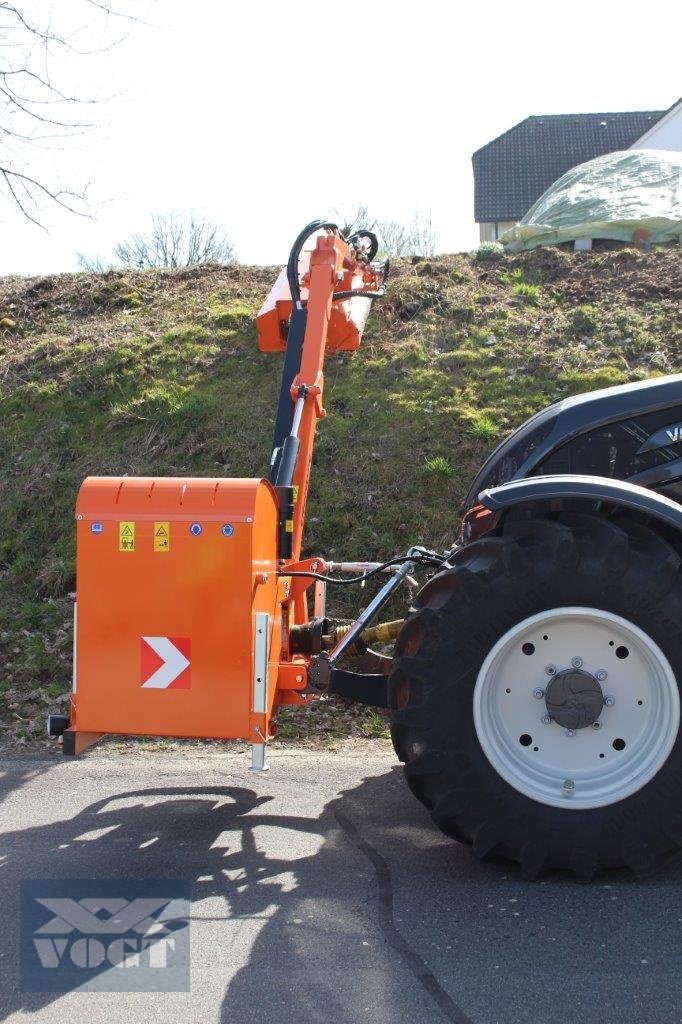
{"x":570,"y":732}
{"x":569,"y":785}
{"x":538,"y":693}
{"x":577,"y":662}
{"x":601,"y":675}
{"x":609,"y":701}
{"x":546,"y":719}
{"x":550,"y":670}
{"x":596,"y":725}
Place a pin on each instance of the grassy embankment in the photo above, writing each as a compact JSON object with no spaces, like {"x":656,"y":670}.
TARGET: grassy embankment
{"x":159,"y":373}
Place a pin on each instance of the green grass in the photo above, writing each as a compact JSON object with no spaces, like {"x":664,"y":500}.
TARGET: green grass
{"x":439,"y":466}
{"x":482,"y":427}
{"x":158,"y":373}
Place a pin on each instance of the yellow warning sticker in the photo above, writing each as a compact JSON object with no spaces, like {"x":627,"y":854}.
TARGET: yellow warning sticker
{"x":295,"y":490}
{"x":126,"y":536}
{"x":162,"y":536}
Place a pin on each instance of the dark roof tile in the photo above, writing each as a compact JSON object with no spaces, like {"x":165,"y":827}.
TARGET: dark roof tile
{"x":512,"y":171}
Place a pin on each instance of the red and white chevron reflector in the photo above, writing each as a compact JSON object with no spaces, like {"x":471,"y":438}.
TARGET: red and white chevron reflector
{"x":165,"y":662}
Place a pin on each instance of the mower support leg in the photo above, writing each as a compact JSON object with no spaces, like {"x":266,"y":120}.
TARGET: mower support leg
{"x":260,"y":687}
{"x":259,"y":757}
{"x":76,"y":742}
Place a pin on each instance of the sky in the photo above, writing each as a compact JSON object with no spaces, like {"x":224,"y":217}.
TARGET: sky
{"x":264,"y":115}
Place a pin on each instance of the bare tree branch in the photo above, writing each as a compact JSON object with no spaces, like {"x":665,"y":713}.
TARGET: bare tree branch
{"x":395,"y":239}
{"x":31,"y":187}
{"x":111,"y":10}
{"x":423,"y":235}
{"x":353,"y":218}
{"x":38,"y":55}
{"x":176,"y":240}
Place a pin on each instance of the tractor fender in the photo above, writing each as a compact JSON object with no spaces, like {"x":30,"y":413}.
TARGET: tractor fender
{"x":592,"y":488}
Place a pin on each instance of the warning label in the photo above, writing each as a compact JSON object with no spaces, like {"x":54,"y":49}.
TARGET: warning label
{"x":162,"y":536}
{"x":126,"y":536}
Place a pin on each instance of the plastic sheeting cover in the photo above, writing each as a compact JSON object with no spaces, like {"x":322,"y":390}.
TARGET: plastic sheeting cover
{"x":609,"y":197}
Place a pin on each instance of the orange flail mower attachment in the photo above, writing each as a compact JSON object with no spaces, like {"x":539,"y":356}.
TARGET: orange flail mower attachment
{"x":347,"y":318}
{"x":175,"y":577}
{"x":184,"y":609}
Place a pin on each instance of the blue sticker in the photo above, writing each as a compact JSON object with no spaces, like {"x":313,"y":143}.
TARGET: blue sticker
{"x":196,"y":529}
{"x":227,"y":529}
{"x":96,"y":528}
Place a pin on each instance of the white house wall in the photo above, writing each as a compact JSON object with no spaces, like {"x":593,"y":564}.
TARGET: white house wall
{"x":490,"y":230}
{"x":665,"y":134}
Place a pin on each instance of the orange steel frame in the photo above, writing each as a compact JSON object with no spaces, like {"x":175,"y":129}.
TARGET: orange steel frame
{"x":204,"y":587}
{"x":332,"y":268}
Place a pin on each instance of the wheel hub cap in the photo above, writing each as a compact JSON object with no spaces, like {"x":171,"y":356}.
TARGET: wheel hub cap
{"x":576,"y":707}
{"x":574,"y":699}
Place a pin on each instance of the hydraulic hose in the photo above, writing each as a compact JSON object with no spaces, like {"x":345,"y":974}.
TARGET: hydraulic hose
{"x":359,"y":291}
{"x":373,"y":243}
{"x":295,"y":254}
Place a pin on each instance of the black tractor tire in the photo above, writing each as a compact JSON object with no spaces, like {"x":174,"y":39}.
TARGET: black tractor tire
{"x":527,"y":567}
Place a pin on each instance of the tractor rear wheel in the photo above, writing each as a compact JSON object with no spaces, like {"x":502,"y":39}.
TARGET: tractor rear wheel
{"x":535,"y":696}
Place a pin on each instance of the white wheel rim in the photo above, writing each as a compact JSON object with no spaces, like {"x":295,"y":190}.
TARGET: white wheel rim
{"x":594,"y":767}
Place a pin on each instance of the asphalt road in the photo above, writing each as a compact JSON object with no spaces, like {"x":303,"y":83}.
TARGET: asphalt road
{"x":322,"y":893}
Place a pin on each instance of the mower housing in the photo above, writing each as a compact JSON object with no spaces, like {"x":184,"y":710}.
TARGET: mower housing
{"x":175,"y":579}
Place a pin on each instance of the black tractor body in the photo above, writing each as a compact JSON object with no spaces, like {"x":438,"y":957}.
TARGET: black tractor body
{"x":631,"y":432}
{"x":535,"y":687}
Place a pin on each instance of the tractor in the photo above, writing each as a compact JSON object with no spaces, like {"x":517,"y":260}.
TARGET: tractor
{"x":533,"y":685}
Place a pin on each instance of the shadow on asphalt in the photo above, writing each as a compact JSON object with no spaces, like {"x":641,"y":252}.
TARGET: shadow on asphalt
{"x":366,"y":836}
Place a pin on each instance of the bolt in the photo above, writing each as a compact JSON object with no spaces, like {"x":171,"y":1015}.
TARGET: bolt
{"x":546,"y":719}
{"x":570,"y":732}
{"x":550,"y":670}
{"x":601,"y":675}
{"x":609,"y":701}
{"x":596,"y":725}
{"x":538,"y":693}
{"x":577,"y":662}
{"x":569,"y":785}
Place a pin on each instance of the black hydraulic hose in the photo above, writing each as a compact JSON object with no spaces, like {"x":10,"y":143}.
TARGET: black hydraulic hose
{"x":294,"y":256}
{"x":354,"y":292}
{"x":400,"y":560}
{"x":368,"y":295}
{"x":373,"y":243}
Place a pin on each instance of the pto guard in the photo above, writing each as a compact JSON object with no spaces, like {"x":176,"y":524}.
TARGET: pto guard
{"x":179,"y":621}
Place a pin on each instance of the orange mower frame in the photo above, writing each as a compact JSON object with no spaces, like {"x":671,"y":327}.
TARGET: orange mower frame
{"x":192,"y":615}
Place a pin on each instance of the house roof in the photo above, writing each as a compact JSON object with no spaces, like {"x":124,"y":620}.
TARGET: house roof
{"x":512,"y":171}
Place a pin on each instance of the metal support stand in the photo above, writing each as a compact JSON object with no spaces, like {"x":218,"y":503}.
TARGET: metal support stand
{"x":259,"y":761}
{"x":259,"y":757}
